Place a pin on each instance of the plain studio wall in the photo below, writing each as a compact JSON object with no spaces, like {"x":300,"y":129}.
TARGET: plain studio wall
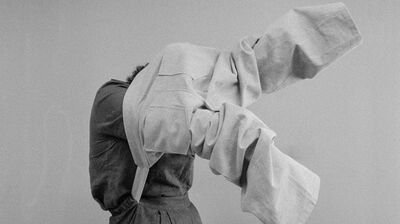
{"x":344,"y":124}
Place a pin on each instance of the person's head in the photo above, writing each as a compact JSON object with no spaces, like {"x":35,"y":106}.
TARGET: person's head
{"x":132,"y":76}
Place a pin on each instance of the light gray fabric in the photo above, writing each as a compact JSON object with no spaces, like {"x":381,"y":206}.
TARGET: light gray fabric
{"x":192,"y":98}
{"x":276,"y":188}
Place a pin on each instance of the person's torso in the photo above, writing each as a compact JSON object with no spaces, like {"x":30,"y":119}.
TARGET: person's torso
{"x":112,"y":168}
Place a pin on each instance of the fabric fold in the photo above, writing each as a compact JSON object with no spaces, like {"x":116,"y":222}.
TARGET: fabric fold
{"x":303,"y":42}
{"x":204,"y":90}
{"x":275,"y":188}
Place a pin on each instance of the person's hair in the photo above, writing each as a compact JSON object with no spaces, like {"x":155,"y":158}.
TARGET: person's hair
{"x":132,"y":76}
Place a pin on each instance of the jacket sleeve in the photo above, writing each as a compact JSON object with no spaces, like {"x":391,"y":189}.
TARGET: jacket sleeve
{"x":295,"y":47}
{"x":275,"y":188}
{"x":302,"y":42}
{"x":106,"y":114}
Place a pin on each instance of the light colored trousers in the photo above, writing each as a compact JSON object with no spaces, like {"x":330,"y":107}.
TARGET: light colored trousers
{"x":192,"y":99}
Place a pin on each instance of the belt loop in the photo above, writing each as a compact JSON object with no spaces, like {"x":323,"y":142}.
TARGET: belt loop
{"x":127,"y":203}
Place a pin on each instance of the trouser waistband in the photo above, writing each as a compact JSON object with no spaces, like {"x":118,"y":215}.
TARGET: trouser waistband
{"x":162,"y":203}
{"x":175,"y":202}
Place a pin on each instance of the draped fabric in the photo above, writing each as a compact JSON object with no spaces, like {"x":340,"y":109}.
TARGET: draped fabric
{"x":192,"y":99}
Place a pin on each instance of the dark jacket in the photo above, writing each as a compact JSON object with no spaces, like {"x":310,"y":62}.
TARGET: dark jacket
{"x":112,"y":168}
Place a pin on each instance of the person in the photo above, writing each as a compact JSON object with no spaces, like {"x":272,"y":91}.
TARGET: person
{"x":112,"y":168}
{"x":190,"y":100}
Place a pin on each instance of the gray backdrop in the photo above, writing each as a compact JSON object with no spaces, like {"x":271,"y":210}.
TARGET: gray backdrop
{"x":344,"y":124}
